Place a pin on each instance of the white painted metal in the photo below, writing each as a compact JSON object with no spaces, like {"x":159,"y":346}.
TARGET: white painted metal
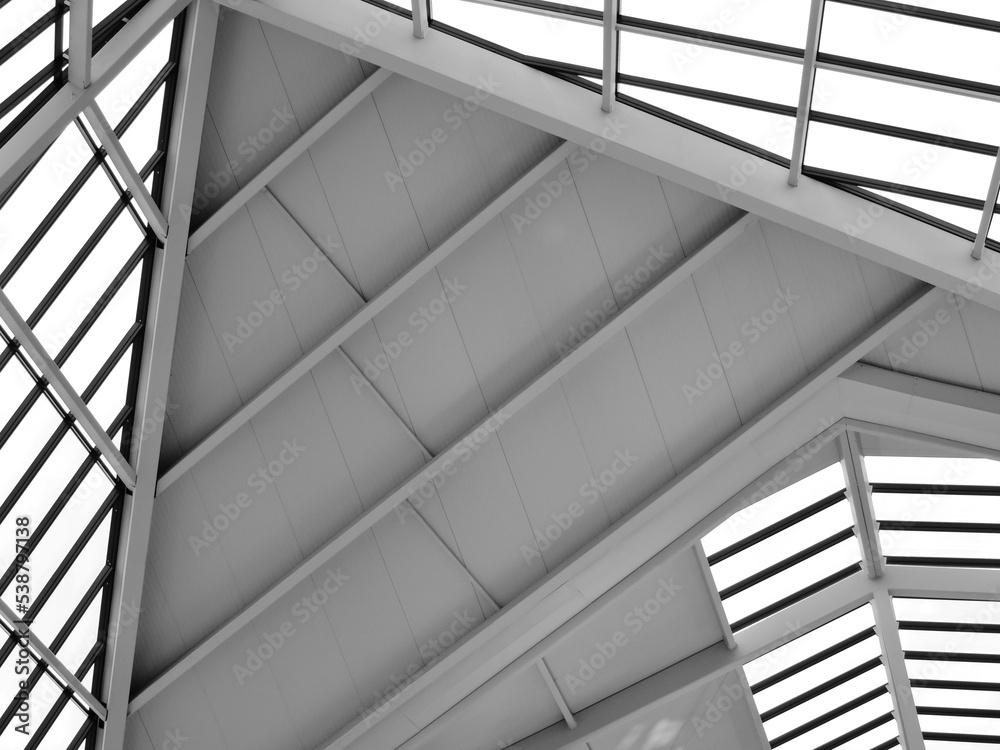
{"x":165,"y":292}
{"x":359,"y":319}
{"x":489,"y":425}
{"x":858,"y":491}
{"x":919,"y":441}
{"x":903,"y":704}
{"x":806,"y":90}
{"x":28,"y":143}
{"x":599,"y":581}
{"x":990,"y":206}
{"x":290,"y":154}
{"x":133,"y":181}
{"x":61,"y":385}
{"x":649,"y":143}
{"x":713,"y":590}
{"x":81,"y":38}
{"x":19,"y":629}
{"x":419,"y":18}
{"x":610,"y":80}
{"x":556,"y":695}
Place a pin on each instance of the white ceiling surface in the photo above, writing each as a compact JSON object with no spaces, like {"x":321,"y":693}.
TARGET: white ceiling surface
{"x":523,"y":291}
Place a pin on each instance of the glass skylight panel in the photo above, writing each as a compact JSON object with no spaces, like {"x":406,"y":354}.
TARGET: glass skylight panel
{"x":802,"y":542}
{"x":959,"y":216}
{"x":17,"y":16}
{"x":701,"y":67}
{"x":903,"y":42}
{"x":827,"y":688}
{"x":938,"y":513}
{"x":538,"y":36}
{"x":764,"y":130}
{"x":72,"y":261}
{"x":895,"y":103}
{"x":141,"y":139}
{"x":954,"y":667}
{"x":899,"y":161}
{"x":775,"y":21}
{"x":128,"y":86}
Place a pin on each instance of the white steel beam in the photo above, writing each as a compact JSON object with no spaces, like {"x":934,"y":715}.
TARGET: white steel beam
{"x":28,"y":143}
{"x":806,"y":90}
{"x":164,"y":303}
{"x":19,"y":629}
{"x":452,"y":454}
{"x":61,"y":385}
{"x":859,"y":493}
{"x":286,"y":157}
{"x":668,"y":150}
{"x":133,"y":181}
{"x":81,"y":42}
{"x":610,"y":79}
{"x":899,"y":681}
{"x":921,"y":441}
{"x":361,"y":318}
{"x":988,"y":209}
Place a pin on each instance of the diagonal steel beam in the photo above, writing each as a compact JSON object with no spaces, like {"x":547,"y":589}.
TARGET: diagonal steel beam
{"x":30,"y":142}
{"x":361,"y":318}
{"x":859,"y":492}
{"x":450,"y":455}
{"x":164,"y":303}
{"x":133,"y":181}
{"x":286,"y":157}
{"x":61,"y":385}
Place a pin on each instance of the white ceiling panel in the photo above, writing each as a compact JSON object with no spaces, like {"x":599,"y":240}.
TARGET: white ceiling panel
{"x":618,"y":428}
{"x":673,"y":345}
{"x":748,"y":311}
{"x":498,"y":325}
{"x":550,"y":467}
{"x":377,"y":224}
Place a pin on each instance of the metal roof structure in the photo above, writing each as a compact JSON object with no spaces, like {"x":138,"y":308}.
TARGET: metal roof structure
{"x":471,"y":374}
